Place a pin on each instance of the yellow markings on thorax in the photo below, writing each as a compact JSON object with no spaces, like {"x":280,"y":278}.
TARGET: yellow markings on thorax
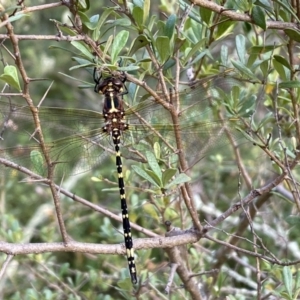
{"x":113,"y":108}
{"x":111,"y":95}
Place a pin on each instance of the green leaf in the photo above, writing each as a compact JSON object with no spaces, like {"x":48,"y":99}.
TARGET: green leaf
{"x":8,"y":9}
{"x":155,"y":177}
{"x":146,"y":7}
{"x":267,"y":119}
{"x":163,"y":47}
{"x":83,"y":5}
{"x":259,"y":17}
{"x":282,"y":71}
{"x":157,"y":151}
{"x":265,"y":67}
{"x":141,"y":41}
{"x":247,"y":107}
{"x":83,"y":62}
{"x":107,"y":45}
{"x":293,"y":84}
{"x":288,"y":280}
{"x":138,"y":15}
{"x":200,"y":56}
{"x":62,"y":48}
{"x":262,"y":49}
{"x":181,"y":178}
{"x":37,"y":161}
{"x":92,"y":22}
{"x":240,"y":42}
{"x":80,"y":66}
{"x":205,"y":14}
{"x":10,"y":76}
{"x":293,"y":34}
{"x":103,"y":17}
{"x":167,"y":175}
{"x":64,"y":269}
{"x":179,"y":42}
{"x":224,"y":29}
{"x":83,"y":49}
{"x":282,"y":60}
{"x":118,"y":44}
{"x":248,"y":137}
{"x":139,"y":3}
{"x":265,"y":4}
{"x":288,"y":11}
{"x":120,"y":22}
{"x":243,"y":5}
{"x":151,"y":159}
{"x":152,"y":22}
{"x":197,"y":47}
{"x":170,"y":25}
{"x":17,"y":17}
{"x":224,"y":55}
{"x":128,"y":68}
{"x":243,"y":69}
{"x":125,"y":284}
{"x":84,"y":18}
{"x":146,"y":175}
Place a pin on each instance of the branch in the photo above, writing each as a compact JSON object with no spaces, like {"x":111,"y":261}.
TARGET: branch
{"x":5,"y":265}
{"x":254,"y":254}
{"x":171,"y":278}
{"x":34,"y":111}
{"x":178,"y":261}
{"x":32,"y":9}
{"x":57,"y":38}
{"x":243,"y":17}
{"x":115,"y":249}
{"x":190,"y":284}
{"x":250,"y":197}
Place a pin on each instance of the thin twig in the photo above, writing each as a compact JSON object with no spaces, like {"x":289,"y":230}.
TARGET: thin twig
{"x":34,"y":110}
{"x":174,"y":266}
{"x":8,"y":259}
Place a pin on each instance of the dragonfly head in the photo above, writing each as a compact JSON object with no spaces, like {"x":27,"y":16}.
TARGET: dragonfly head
{"x":113,"y":83}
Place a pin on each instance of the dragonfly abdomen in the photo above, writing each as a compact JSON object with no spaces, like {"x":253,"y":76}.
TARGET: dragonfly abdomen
{"x":125,"y":217}
{"x":115,"y":125}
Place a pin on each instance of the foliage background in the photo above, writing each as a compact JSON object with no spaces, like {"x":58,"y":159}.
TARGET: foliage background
{"x":234,"y":259}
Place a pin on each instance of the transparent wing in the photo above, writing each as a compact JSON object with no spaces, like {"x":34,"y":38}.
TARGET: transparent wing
{"x":75,"y":140}
{"x":203,"y":123}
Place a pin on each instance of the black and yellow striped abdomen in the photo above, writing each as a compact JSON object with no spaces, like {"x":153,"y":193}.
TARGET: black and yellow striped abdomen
{"x":113,"y":111}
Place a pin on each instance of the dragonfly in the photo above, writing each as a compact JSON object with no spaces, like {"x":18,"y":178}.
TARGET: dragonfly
{"x":78,"y":139}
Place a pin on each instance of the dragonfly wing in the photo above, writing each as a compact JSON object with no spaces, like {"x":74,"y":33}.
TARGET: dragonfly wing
{"x":74,"y":138}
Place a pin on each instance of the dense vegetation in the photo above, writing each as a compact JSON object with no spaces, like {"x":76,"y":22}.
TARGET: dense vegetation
{"x":214,"y":211}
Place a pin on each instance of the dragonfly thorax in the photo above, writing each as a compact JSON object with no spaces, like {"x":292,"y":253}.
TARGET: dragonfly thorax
{"x":108,"y":85}
{"x":113,"y":103}
{"x":113,"y":107}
